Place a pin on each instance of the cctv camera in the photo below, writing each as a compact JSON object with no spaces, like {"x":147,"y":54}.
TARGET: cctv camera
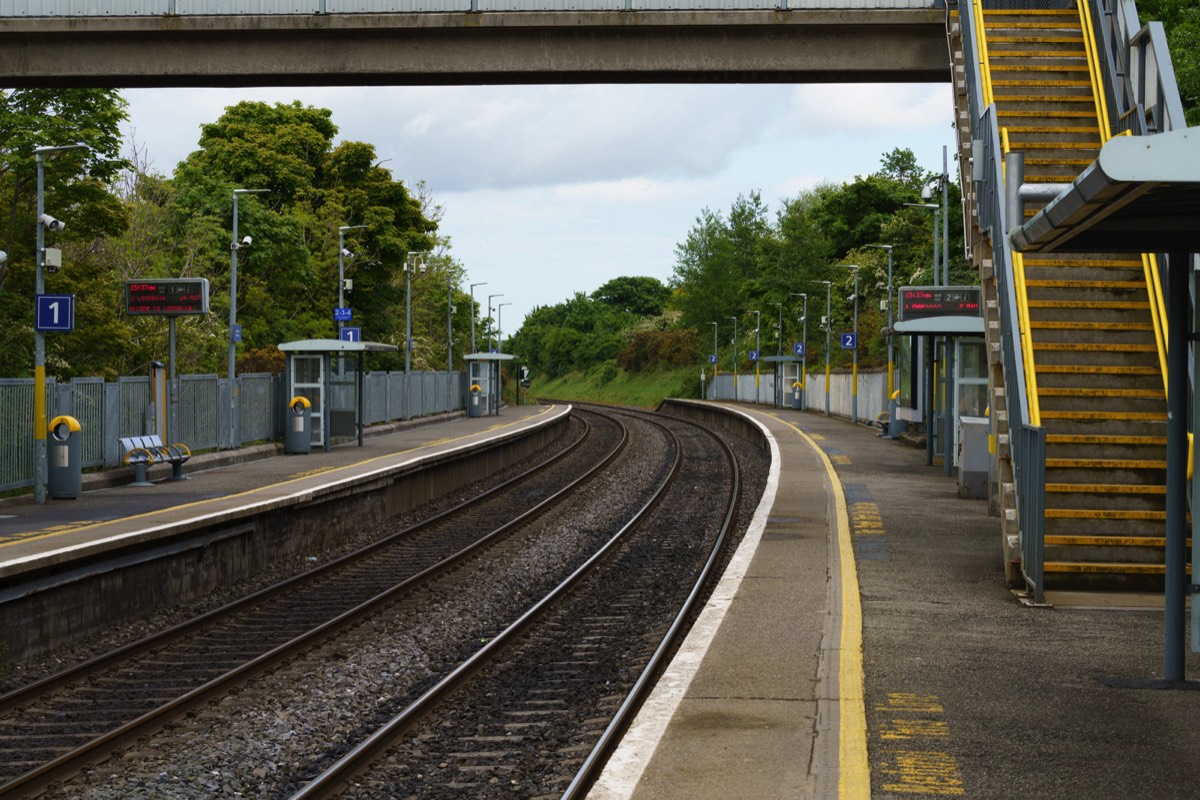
{"x":346,"y":253}
{"x":927,"y":193}
{"x":246,"y":241}
{"x":51,"y":223}
{"x":3,"y":256}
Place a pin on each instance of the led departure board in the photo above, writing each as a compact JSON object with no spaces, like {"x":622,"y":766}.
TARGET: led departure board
{"x":922,"y":302}
{"x":167,"y":297}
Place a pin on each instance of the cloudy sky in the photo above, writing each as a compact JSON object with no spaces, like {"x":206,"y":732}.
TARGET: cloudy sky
{"x":552,"y":190}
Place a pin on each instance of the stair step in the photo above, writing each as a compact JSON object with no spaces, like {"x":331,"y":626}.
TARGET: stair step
{"x":1105,"y":488}
{"x":1063,"y":391}
{"x":1098,"y":439}
{"x":1077,"y":369}
{"x":1094,"y":347}
{"x":1098,"y":304}
{"x":1044,"y":283}
{"x":1105,"y":463}
{"x":1100,"y":416}
{"x":1066,"y":325}
{"x":1097,"y":567}
{"x":1083,"y":540}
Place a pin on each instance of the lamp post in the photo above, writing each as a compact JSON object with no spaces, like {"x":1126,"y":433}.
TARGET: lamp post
{"x":410,"y":260}
{"x":735,"y":354}
{"x":449,"y":325}
{"x":40,"y":468}
{"x":473,"y":285}
{"x":828,"y":328}
{"x":500,"y":325}
{"x":714,"y":359}
{"x":235,"y":333}
{"x":490,"y":298}
{"x":804,"y":339}
{"x":343,"y":254}
{"x":891,"y":368}
{"x":757,"y":350}
{"x":854,"y":351}
{"x":936,"y":211}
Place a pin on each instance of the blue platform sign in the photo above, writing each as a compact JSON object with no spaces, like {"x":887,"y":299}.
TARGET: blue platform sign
{"x":350,"y":334}
{"x":798,"y":349}
{"x":55,"y":313}
{"x":849,"y":341}
{"x":712,"y":358}
{"x":754,"y":355}
{"x":342,"y":315}
{"x":235,"y":333}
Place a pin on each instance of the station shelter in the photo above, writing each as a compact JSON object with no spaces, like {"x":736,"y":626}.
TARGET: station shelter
{"x":329,"y":374}
{"x":941,"y":364}
{"x":485,"y":382}
{"x":789,"y":380}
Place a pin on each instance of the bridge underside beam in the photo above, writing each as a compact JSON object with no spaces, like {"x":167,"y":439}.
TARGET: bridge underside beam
{"x":802,"y":46}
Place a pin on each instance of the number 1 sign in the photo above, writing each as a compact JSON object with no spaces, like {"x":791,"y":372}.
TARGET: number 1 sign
{"x":55,"y":313}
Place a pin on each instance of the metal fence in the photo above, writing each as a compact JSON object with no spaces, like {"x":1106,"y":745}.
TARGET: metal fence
{"x":872,"y":392}
{"x":200,"y":417}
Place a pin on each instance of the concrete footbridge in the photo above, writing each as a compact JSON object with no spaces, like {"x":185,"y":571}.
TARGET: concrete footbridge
{"x":169,"y":43}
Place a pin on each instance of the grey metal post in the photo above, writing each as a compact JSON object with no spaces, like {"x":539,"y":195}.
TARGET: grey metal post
{"x":951,"y":415}
{"x":1175,"y":591}
{"x":500,"y":325}
{"x":945,"y":217}
{"x":891,"y":351}
{"x":854,"y":352}
{"x":491,"y":297}
{"x":449,"y":327}
{"x":342,"y":253}
{"x":757,"y":350}
{"x":735,"y":354}
{"x":40,"y":468}
{"x":715,"y":363}
{"x":828,"y":330}
{"x":473,"y":285}
{"x":234,"y":246}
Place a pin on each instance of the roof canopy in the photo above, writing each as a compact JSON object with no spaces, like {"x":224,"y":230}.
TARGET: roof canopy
{"x":941,"y":326}
{"x":489,"y":357}
{"x":1141,"y":195}
{"x":336,"y":346}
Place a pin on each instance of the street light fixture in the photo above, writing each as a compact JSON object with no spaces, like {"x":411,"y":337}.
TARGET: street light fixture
{"x":735,"y":355}
{"x":490,"y":309}
{"x":891,"y":353}
{"x":936,"y":212}
{"x":757,"y":350}
{"x":500,"y":325}
{"x":473,"y":285}
{"x":235,"y":333}
{"x":343,"y":255}
{"x":804,"y":339}
{"x":854,"y":370}
{"x":44,"y":220}
{"x":828,"y":328}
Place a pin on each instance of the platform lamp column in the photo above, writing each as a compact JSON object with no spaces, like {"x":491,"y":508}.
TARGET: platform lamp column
{"x":500,"y":325}
{"x":757,"y":350}
{"x":40,"y":467}
{"x":735,"y":356}
{"x":491,"y":308}
{"x":410,"y":260}
{"x":449,"y":324}
{"x":714,"y":359}
{"x":891,"y":353}
{"x":343,"y":254}
{"x":854,"y":351}
{"x":804,"y":339}
{"x":828,"y":329}
{"x":234,"y":336}
{"x":473,"y":285}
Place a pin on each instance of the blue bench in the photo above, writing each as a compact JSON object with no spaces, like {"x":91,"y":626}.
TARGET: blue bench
{"x":143,"y":452}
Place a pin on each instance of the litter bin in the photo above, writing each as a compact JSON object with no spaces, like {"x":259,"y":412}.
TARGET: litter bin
{"x":475,"y":404}
{"x":896,"y":426}
{"x":798,"y":396}
{"x":64,"y":472}
{"x":297,"y":439}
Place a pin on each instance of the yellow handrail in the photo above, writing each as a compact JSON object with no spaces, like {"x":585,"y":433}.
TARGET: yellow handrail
{"x":1098,"y":96}
{"x":985,"y":65}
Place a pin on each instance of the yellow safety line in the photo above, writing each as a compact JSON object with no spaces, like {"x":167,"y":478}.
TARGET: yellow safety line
{"x":854,"y":770}
{"x":305,"y":476}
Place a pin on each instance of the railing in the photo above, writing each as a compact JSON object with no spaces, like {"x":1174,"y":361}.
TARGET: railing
{"x":110,"y":411}
{"x":130,"y":8}
{"x":1144,"y":94}
{"x":1026,"y":438}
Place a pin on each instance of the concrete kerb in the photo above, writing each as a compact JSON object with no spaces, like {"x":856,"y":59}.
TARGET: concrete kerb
{"x":120,"y":476}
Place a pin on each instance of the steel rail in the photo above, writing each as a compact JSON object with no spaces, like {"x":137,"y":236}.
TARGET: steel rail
{"x":61,"y":768}
{"x":333,"y":780}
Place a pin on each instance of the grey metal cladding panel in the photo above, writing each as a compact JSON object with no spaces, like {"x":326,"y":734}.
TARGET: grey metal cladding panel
{"x":551,"y":5}
{"x":82,"y":8}
{"x":394,"y":6}
{"x":247,"y":6}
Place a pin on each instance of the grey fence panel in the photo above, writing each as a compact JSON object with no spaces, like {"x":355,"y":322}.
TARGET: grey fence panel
{"x":16,"y":433}
{"x":135,"y":405}
{"x":255,"y":393}
{"x":87,"y":406}
{"x":200,"y":412}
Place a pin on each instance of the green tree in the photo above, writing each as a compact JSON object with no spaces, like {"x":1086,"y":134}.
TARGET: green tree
{"x":1181,"y":21}
{"x":77,"y":190}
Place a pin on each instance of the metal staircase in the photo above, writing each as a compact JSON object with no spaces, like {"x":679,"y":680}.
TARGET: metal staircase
{"x":1088,"y":339}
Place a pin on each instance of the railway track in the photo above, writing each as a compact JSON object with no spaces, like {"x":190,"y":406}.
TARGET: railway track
{"x":51,"y":727}
{"x":530,"y":671}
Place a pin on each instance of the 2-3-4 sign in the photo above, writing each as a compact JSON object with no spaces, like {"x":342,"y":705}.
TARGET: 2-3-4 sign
{"x":54,"y":313}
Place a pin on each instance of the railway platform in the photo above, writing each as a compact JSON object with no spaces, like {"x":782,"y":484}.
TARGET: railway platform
{"x":862,"y":642}
{"x":907,"y":670}
{"x":112,"y":513}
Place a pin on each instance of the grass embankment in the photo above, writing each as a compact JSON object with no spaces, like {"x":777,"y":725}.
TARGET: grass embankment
{"x":608,"y":384}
